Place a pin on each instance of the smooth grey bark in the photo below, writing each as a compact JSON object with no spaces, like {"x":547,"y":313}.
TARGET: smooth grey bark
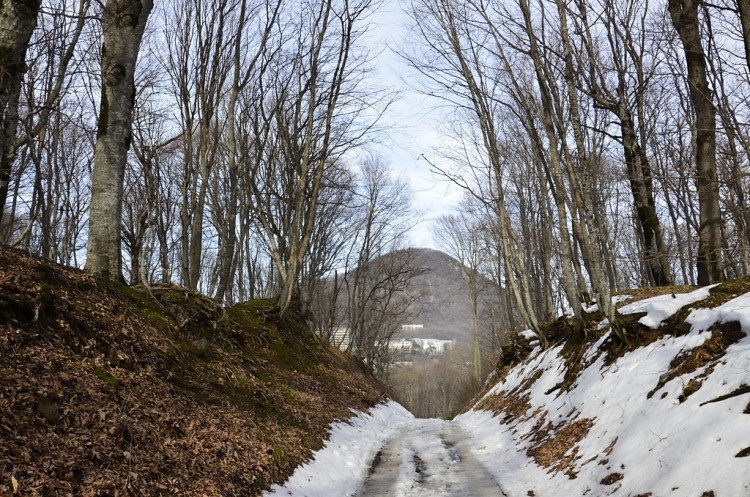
{"x":18,"y":18}
{"x":198,"y":62}
{"x":54,"y":50}
{"x":554,"y":164}
{"x":226,"y":252}
{"x":590,"y":232}
{"x":738,"y":146}
{"x":684,"y":14}
{"x":123,"y":23}
{"x":240,"y":78}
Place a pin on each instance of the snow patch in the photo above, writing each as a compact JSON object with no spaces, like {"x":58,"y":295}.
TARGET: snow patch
{"x":662,"y":307}
{"x":736,"y":309}
{"x":668,"y":444}
{"x":340,"y":467}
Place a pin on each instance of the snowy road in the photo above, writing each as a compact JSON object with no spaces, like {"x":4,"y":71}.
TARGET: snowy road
{"x":429,"y":457}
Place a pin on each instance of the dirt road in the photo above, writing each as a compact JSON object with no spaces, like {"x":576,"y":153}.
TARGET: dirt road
{"x":429,"y":458}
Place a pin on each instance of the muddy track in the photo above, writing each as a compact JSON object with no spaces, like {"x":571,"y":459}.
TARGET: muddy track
{"x":429,"y":459}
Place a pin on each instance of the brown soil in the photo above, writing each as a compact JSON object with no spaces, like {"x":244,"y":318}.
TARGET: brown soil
{"x":654,"y":291}
{"x":107,"y":390}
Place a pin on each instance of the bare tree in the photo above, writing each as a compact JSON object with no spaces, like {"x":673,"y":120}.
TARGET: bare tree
{"x":123,"y":24}
{"x":312,"y":85}
{"x":52,"y":50}
{"x":624,"y":97}
{"x":379,"y":301}
{"x":743,"y":7}
{"x":378,"y":296}
{"x":199,"y":39}
{"x":18,"y":18}
{"x":242,"y":71}
{"x":685,"y":18}
{"x":461,"y":235}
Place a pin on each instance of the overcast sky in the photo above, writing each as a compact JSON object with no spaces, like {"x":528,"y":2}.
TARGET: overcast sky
{"x":411,"y":123}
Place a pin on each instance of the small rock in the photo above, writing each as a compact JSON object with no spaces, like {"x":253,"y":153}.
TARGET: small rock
{"x":48,"y":410}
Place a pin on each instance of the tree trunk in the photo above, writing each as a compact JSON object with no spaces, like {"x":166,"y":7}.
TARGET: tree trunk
{"x":123,"y":22}
{"x":641,"y":186}
{"x":555,"y":166}
{"x":684,"y":15}
{"x":744,"y":8}
{"x":18,"y":19}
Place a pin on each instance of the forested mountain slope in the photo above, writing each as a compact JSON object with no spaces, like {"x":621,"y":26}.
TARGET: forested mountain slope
{"x":445,"y":306}
{"x":112,"y":390}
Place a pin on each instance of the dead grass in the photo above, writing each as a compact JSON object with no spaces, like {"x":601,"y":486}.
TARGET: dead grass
{"x":722,"y":336}
{"x":637,"y":294}
{"x":612,"y":478}
{"x":510,"y":406}
{"x":723,"y":293}
{"x":552,"y":444}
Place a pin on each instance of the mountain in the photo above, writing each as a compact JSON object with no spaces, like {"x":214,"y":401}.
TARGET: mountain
{"x":445,"y":307}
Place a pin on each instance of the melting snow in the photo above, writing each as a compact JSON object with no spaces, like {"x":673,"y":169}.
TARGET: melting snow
{"x":341,"y":466}
{"x":667,"y":444}
{"x":659,"y":308}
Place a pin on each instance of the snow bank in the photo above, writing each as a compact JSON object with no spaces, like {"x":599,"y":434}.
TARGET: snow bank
{"x":667,"y":444}
{"x":340,"y":467}
{"x":659,"y":308}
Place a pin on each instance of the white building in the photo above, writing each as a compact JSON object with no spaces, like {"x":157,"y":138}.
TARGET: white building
{"x":428,"y":346}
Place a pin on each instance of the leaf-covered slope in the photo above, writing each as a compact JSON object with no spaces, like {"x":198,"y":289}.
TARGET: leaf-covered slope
{"x":110,"y":390}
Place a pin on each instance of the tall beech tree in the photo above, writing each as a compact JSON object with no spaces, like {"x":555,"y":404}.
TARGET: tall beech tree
{"x":684,"y":15}
{"x":743,"y":7}
{"x":123,"y":23}
{"x":18,"y":18}
{"x":619,"y":85}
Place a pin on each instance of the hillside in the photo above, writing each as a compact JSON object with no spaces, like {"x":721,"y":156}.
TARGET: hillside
{"x":118,"y":391}
{"x":667,"y":414}
{"x":445,"y":308}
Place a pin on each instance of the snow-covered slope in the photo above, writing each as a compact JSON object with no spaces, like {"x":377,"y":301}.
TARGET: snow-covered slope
{"x":668,"y":419}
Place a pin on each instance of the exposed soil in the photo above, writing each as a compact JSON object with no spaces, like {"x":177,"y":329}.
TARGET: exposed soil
{"x":107,"y":390}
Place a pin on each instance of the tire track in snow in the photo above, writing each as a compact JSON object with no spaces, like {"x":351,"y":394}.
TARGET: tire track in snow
{"x":428,"y":458}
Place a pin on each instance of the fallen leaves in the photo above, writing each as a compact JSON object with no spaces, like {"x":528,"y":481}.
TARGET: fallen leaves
{"x":553,"y":444}
{"x":106,"y":393}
